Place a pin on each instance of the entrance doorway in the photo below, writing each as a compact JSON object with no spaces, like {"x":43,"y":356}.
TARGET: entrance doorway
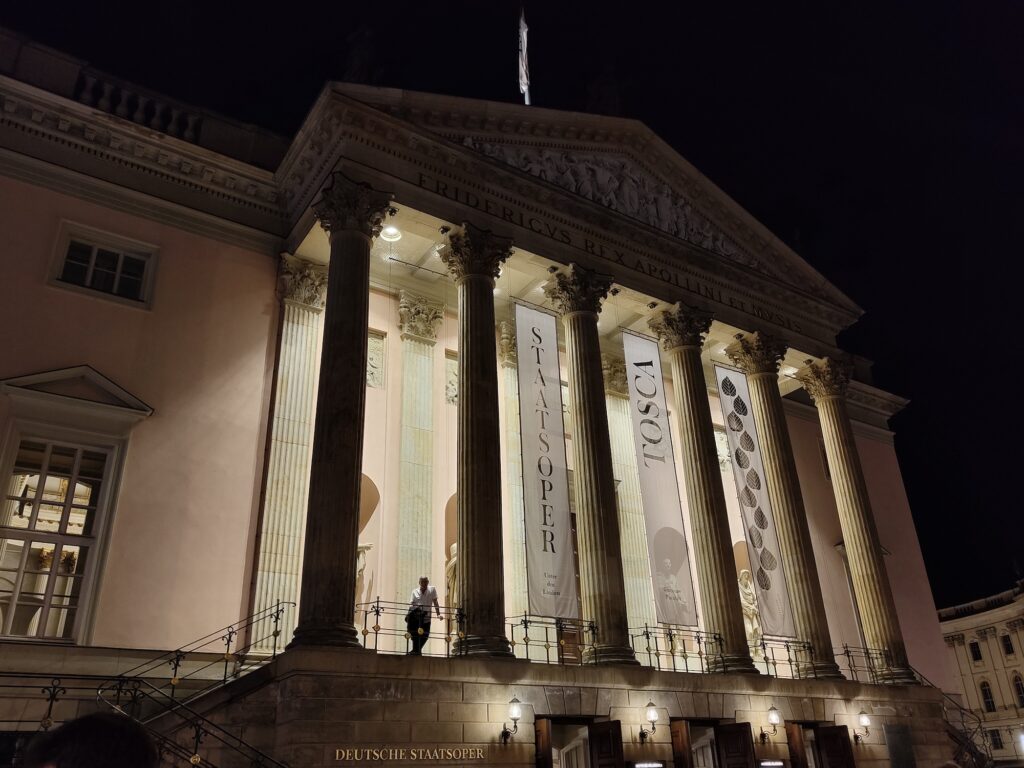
{"x":812,"y":745}
{"x":710,"y":744}
{"x":575,"y":742}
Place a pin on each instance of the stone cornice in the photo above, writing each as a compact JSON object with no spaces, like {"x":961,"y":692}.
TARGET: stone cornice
{"x":878,"y":401}
{"x":40,"y":124}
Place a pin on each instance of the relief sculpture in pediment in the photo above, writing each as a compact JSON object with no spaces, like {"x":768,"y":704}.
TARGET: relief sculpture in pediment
{"x":619,"y":184}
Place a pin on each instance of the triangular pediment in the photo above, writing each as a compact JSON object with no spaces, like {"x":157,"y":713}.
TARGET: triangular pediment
{"x":81,"y":383}
{"x":616,"y":163}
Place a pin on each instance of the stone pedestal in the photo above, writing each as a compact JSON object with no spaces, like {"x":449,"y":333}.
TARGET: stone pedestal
{"x":474,"y":258}
{"x":758,"y":355}
{"x":303,"y":286}
{"x":353,"y":214}
{"x":681,"y":330}
{"x":578,"y":293}
{"x":418,"y":322}
{"x":826,"y":382}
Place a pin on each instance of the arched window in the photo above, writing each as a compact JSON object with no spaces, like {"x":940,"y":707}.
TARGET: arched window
{"x":986,"y":697}
{"x":1018,"y":690}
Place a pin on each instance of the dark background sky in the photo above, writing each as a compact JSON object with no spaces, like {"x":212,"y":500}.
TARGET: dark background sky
{"x":885,"y":143}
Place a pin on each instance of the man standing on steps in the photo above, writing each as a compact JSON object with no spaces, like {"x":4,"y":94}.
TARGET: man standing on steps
{"x":418,"y":617}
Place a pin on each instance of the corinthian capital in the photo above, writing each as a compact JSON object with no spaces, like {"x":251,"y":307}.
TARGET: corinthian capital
{"x":578,"y":290}
{"x":352,"y":205}
{"x":681,"y":326}
{"x":507,"y":353}
{"x":825,"y":378}
{"x":757,"y":353}
{"x":475,"y":251}
{"x":418,"y":317}
{"x":303,"y":282}
{"x":614,"y":371}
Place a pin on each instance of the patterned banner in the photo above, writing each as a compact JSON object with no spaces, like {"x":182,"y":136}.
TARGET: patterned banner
{"x":755,"y":506}
{"x":663,"y":516}
{"x":550,"y":572}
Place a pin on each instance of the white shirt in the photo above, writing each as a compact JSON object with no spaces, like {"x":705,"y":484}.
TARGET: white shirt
{"x":424,"y":599}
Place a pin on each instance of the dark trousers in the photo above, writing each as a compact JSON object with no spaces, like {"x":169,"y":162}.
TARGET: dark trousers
{"x":419,"y":620}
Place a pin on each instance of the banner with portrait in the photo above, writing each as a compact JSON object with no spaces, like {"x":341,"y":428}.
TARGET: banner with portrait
{"x":667,"y":547}
{"x":550,"y":572}
{"x":766,"y":573}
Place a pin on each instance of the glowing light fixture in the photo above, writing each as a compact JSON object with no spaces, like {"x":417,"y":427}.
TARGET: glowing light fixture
{"x":774,"y":720}
{"x":391,"y":234}
{"x":864,"y":722}
{"x":515,"y":711}
{"x":651,"y":715}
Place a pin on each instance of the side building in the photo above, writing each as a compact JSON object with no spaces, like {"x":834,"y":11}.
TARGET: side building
{"x":984,"y":643}
{"x":252,"y":388}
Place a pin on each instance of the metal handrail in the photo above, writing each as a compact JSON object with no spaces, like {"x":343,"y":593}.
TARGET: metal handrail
{"x":384,"y":629}
{"x":784,"y":658}
{"x":550,"y":640}
{"x":676,"y":648}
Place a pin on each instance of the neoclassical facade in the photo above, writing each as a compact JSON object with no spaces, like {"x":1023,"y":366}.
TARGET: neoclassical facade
{"x":267,"y":384}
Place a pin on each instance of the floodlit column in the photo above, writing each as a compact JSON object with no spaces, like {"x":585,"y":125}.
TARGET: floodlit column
{"x":636,"y":565}
{"x":303,"y":286}
{"x":826,"y":382}
{"x":758,"y":355}
{"x":418,"y":320}
{"x":578,"y":293}
{"x":352,"y":213}
{"x":474,"y":258}
{"x":681,"y":330}
{"x":515,"y":558}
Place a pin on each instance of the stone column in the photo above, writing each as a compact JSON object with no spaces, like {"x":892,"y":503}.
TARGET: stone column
{"x":418,"y":320}
{"x":352,"y":213}
{"x":826,"y":382}
{"x":681,"y":330}
{"x":577,"y":293}
{"x":636,"y":565}
{"x":758,"y":355}
{"x":515,"y":557}
{"x":303,"y":286}
{"x":474,"y":258}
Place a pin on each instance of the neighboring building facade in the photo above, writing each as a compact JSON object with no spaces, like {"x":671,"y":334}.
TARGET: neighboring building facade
{"x":190,"y":438}
{"x":983,"y":640}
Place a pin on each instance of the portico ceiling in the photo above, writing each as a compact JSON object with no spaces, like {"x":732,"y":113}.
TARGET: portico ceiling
{"x":412,"y":263}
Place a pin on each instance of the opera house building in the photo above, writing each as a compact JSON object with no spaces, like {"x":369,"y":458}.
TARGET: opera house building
{"x":254,"y":388}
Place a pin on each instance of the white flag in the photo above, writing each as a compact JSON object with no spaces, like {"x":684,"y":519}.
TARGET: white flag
{"x":524,"y":68}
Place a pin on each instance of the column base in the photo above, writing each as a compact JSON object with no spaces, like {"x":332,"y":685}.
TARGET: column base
{"x":483,"y":645}
{"x":734,"y":664}
{"x":819,"y":670}
{"x":897,"y":676}
{"x":609,"y":654}
{"x":337,"y":636}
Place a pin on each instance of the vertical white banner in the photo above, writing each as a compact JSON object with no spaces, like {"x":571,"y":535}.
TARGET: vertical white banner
{"x":663,"y":515}
{"x":550,"y":573}
{"x":755,"y":506}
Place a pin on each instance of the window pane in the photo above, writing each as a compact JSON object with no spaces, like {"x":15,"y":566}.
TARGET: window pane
{"x":49,"y":518}
{"x":130,"y":288}
{"x":30,"y":458}
{"x":16,"y":513}
{"x":80,"y":521}
{"x":132,"y":266}
{"x":62,"y":460}
{"x":76,"y":263}
{"x":106,"y":260}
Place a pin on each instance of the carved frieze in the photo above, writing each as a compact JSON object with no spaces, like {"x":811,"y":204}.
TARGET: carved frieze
{"x":375,"y":362}
{"x":418,"y":317}
{"x":507,"y":344}
{"x":303,"y":282}
{"x":578,"y":290}
{"x":451,"y":379}
{"x":680,"y":326}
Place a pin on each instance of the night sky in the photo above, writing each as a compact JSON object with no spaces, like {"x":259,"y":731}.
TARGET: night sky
{"x":884,"y":144}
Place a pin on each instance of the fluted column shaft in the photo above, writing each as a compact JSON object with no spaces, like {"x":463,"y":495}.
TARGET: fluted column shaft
{"x":285,"y":497}
{"x":759,"y":355}
{"x":474,"y":258}
{"x":353,"y":214}
{"x":578,"y":294}
{"x":682,"y":335}
{"x":826,"y":382}
{"x":516,"y":603}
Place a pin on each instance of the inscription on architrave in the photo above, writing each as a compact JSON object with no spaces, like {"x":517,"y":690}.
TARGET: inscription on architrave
{"x":375,"y":360}
{"x":451,"y":379}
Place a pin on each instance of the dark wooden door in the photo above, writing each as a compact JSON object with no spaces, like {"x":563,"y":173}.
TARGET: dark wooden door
{"x":834,"y":746}
{"x":605,"y":744}
{"x":542,"y":740}
{"x":682,"y":751}
{"x":735,"y":745}
{"x":797,"y":745}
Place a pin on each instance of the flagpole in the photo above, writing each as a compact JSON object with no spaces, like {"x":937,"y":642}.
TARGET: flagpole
{"x":524,"y":68}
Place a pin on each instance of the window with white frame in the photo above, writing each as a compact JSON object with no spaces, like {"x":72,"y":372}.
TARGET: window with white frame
{"x":104,"y":263}
{"x":51,"y":513}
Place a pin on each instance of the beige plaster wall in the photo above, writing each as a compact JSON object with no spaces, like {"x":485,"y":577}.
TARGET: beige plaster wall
{"x":179,"y":553}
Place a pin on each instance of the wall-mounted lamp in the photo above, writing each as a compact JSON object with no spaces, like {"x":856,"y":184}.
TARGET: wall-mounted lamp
{"x":651,"y":714}
{"x":515,"y":711}
{"x":864,"y":722}
{"x":774,"y":719}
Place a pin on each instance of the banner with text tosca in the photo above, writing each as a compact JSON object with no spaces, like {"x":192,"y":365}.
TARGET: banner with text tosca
{"x":663,"y":515}
{"x":765,"y":575}
{"x":551,"y":576}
